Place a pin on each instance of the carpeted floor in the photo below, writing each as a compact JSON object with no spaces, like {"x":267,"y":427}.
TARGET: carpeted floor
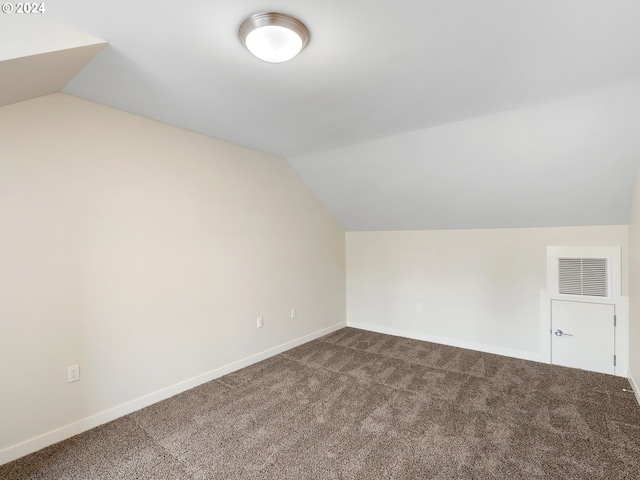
{"x":362,"y":405}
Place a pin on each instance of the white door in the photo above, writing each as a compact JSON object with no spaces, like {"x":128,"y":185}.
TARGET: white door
{"x":583,"y":335}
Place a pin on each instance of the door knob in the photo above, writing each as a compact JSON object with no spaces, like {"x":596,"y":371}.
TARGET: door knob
{"x":560,"y":333}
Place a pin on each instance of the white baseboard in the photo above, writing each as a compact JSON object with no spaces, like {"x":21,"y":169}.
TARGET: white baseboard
{"x":634,"y":386}
{"x":533,"y":356}
{"x":34,"y":444}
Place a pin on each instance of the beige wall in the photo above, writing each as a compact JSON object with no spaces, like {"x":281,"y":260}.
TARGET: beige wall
{"x":478,"y":288}
{"x":634,"y":287}
{"x":144,"y":253}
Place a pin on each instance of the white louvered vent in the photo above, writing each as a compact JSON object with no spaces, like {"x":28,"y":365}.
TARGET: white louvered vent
{"x":583,"y":276}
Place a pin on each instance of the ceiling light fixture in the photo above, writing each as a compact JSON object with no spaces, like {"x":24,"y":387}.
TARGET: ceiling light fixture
{"x":274,"y":37}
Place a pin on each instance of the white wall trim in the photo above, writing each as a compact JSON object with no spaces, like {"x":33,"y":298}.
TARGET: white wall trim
{"x":634,"y":386}
{"x":41,"y":441}
{"x":533,"y":356}
{"x":545,"y":326}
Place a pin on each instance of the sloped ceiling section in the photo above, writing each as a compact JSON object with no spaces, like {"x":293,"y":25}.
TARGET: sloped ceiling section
{"x":40,"y":55}
{"x":569,"y":162}
{"x":373,"y":68}
{"x":519,"y":113}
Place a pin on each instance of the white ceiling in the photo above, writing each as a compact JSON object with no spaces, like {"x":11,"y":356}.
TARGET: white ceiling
{"x":375,"y":69}
{"x":39,"y":56}
{"x":568,"y":162}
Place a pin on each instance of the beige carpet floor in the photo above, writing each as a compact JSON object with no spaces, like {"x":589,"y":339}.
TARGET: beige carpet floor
{"x":362,"y":405}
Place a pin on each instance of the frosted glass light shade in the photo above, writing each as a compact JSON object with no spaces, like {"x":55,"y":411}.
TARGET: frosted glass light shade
{"x":273,"y":37}
{"x":274,"y":44}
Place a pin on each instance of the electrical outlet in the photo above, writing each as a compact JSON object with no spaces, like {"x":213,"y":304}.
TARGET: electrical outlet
{"x":418,"y":307}
{"x":293,"y":313}
{"x":73,"y":373}
{"x":259,"y":324}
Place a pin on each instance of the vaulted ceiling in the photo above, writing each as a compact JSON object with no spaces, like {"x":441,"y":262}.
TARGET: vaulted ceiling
{"x":399,"y":115}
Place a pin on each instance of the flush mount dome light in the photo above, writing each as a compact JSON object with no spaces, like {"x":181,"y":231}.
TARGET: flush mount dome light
{"x":274,"y":37}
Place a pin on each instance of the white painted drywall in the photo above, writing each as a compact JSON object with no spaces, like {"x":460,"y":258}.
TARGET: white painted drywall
{"x":569,"y":162}
{"x":24,"y":35}
{"x":634,"y":288}
{"x":144,"y":253}
{"x":39,"y":55}
{"x":478,"y":288}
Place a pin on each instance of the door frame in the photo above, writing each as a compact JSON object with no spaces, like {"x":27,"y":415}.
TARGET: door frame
{"x":620,"y":302}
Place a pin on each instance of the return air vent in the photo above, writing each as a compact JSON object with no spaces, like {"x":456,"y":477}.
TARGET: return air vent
{"x":583,"y":276}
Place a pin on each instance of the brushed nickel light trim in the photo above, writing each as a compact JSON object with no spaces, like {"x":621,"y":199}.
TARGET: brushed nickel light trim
{"x":268,"y":53}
